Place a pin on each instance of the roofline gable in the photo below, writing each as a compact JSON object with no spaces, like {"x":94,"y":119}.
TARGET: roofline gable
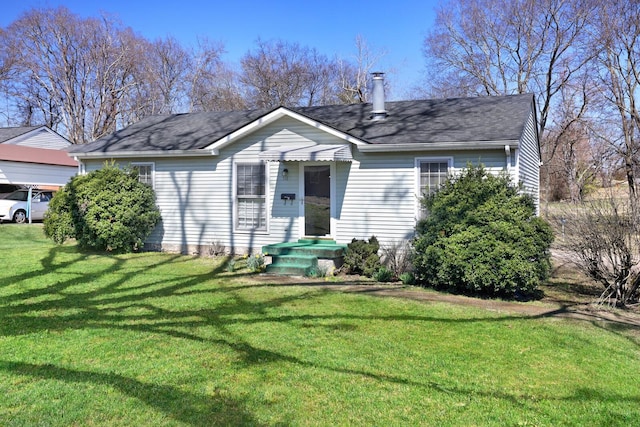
{"x":271,"y":117}
{"x":27,"y":131}
{"x":35,"y":130}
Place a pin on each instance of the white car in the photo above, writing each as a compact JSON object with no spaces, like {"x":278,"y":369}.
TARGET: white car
{"x":14,"y":206}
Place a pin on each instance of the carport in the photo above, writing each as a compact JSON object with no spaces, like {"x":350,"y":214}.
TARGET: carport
{"x":31,"y":167}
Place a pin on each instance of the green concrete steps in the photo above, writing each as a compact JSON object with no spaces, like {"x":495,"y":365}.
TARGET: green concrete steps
{"x":320,"y":248}
{"x":301,"y":258}
{"x":292,"y":265}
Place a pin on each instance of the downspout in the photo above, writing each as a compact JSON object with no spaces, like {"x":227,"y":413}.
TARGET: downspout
{"x":507,"y":152}
{"x":80,"y":165}
{"x":29,"y":195}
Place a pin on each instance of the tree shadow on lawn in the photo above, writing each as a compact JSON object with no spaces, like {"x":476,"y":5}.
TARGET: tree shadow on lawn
{"x":191,"y":408}
{"x":21,"y":315}
{"x":198,"y":409}
{"x":115,"y":289}
{"x":57,"y":307}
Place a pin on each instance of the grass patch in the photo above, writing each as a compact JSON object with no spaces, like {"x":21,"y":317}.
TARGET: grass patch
{"x":161,"y":339}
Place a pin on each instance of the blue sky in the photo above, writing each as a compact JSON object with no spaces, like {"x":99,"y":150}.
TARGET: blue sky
{"x":330,"y":26}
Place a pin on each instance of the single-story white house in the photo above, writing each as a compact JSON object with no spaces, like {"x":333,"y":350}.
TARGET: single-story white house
{"x":35,"y":156}
{"x":246,"y":179}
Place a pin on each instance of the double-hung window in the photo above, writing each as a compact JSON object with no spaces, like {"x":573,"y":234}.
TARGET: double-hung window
{"x":145,"y":172}
{"x":251,"y":205}
{"x":432,"y":173}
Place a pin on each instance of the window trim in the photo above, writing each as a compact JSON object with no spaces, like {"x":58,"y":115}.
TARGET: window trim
{"x":267,"y":204}
{"x":153,"y":171}
{"x":418,"y":189}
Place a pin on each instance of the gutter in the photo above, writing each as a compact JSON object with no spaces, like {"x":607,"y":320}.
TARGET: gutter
{"x":438,"y":146}
{"x":369,"y":148}
{"x":147,"y":154}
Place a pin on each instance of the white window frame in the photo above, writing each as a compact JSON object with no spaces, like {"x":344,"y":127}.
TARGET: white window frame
{"x":153,"y":171}
{"x":267,"y":212}
{"x":418,"y":187}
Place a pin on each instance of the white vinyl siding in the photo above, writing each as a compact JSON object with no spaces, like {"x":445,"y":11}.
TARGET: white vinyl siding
{"x":528,"y":160}
{"x":35,"y":174}
{"x":375,"y":196}
{"x":377,"y":193}
{"x":38,"y":174}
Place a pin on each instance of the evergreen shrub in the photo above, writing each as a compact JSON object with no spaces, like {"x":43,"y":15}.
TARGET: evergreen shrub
{"x":107,"y":210}
{"x":482,"y":236}
{"x":383,"y":275}
{"x":362,"y":257}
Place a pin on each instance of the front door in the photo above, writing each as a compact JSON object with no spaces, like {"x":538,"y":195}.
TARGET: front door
{"x":317,"y":200}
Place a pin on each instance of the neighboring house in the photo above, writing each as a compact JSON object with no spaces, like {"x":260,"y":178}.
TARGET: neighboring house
{"x":251,"y":178}
{"x":35,"y":156}
{"x":33,"y":136}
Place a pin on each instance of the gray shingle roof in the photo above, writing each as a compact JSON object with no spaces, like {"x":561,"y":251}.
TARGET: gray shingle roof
{"x":9,"y":133}
{"x":172,"y":132}
{"x":425,"y":121}
{"x":432,"y":121}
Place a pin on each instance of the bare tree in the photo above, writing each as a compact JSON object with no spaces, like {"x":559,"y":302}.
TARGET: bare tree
{"x":280,"y":73}
{"x":604,"y":238}
{"x":619,"y":34}
{"x":212,"y":85}
{"x":6,"y":68}
{"x":499,"y":47}
{"x":111,"y":53}
{"x":73,"y":71}
{"x":355,"y":74}
{"x":322,"y":83}
{"x":144,"y":98}
{"x":35,"y":106}
{"x":5,"y":57}
{"x":89,"y":77}
{"x":168,"y":65}
{"x":274,"y":74}
{"x":569,"y":162}
{"x":578,"y":165}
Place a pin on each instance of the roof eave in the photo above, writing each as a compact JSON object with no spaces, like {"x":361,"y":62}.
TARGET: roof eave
{"x":148,"y":154}
{"x":439,"y":146}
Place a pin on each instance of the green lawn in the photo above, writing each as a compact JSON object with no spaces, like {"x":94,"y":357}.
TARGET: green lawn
{"x":159,"y":339}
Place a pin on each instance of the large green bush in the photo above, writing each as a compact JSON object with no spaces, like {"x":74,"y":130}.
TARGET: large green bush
{"x":482,"y":236}
{"x":108,"y":209}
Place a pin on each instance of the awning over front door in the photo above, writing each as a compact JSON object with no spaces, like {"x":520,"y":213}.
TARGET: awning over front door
{"x":308,"y":153}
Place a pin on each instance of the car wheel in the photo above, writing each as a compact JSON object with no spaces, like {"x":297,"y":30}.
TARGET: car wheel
{"x":20,"y":217}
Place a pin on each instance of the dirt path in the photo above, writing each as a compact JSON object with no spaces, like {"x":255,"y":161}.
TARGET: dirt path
{"x":529,"y":309}
{"x":537,"y":309}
